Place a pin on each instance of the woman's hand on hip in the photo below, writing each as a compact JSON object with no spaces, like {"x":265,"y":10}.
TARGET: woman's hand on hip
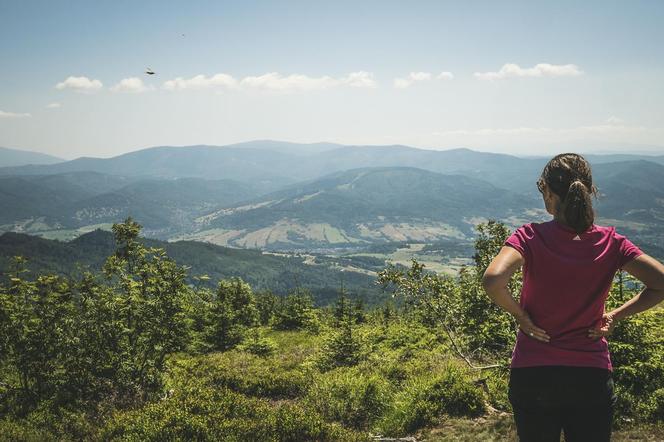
{"x":528,"y":327}
{"x":605,"y":328}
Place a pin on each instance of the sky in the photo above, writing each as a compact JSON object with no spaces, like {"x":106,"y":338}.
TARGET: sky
{"x":519,"y":77}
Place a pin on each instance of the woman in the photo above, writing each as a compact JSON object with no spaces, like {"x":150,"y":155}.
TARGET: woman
{"x":560,"y":376}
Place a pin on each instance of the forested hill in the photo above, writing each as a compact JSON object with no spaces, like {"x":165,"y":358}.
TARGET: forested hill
{"x":277,"y":273}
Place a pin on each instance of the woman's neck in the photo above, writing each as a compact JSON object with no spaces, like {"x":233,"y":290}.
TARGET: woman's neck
{"x":561,"y":219}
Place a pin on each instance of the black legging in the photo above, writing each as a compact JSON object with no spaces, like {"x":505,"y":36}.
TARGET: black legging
{"x":577,"y":400}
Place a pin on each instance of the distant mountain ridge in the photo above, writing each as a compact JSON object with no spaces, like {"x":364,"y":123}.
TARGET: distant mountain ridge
{"x":77,"y":199}
{"x":16,"y":157}
{"x":283,"y":163}
{"x":271,"y":194}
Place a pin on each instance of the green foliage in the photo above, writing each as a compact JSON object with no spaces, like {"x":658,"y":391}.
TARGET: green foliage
{"x":459,"y":304}
{"x":257,"y":344}
{"x":266,"y":303}
{"x":637,"y":355}
{"x":242,"y":372}
{"x":264,"y":272}
{"x":343,"y":347}
{"x":350,"y":396}
{"x":425,"y":400}
{"x":150,"y":302}
{"x":78,"y":340}
{"x":116,"y":356}
{"x":209,"y":414}
{"x":489,"y":328}
{"x":296,"y":312}
{"x":232,"y":312}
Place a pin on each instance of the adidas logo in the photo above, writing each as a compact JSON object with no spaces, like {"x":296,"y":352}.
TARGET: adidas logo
{"x":577,"y":238}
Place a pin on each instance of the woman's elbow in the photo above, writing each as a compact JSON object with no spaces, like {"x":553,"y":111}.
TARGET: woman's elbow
{"x":493,"y":281}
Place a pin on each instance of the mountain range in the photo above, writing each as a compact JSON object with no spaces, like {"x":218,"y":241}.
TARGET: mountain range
{"x":276,"y":195}
{"x":15,"y":157}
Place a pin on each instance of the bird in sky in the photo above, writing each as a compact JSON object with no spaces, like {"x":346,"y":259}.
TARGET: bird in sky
{"x":149,"y":71}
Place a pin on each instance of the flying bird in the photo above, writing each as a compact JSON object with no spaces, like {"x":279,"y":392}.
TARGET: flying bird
{"x":149,"y":71}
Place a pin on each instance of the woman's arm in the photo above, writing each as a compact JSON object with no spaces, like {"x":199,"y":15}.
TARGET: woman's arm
{"x":495,"y":280}
{"x":651,"y":273}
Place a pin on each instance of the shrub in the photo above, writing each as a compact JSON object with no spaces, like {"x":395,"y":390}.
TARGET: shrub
{"x":210,"y":414}
{"x":243,"y":373}
{"x":84,"y":340}
{"x":255,"y":343}
{"x":295,"y":312}
{"x":232,"y":312}
{"x":652,"y":409}
{"x":349,"y":396}
{"x":426,"y":399}
{"x":637,"y":355}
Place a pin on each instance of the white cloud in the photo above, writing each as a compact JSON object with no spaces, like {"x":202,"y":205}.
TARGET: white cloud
{"x":53,"y":106}
{"x":80,"y":84}
{"x":272,"y":81}
{"x":360,"y":79}
{"x":511,"y":70}
{"x":402,"y":83}
{"x":4,"y":114}
{"x":202,"y":82}
{"x":133,"y":85}
{"x":445,"y":76}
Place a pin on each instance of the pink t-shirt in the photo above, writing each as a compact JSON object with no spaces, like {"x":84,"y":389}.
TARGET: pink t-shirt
{"x":566,"y":280}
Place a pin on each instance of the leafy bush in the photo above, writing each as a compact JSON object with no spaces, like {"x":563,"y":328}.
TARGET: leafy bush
{"x":344,"y":345}
{"x":296,"y":312}
{"x":83,"y":340}
{"x":637,"y":355}
{"x":256,"y":343}
{"x":425,"y":400}
{"x":210,"y":414}
{"x":232,"y":312}
{"x":243,"y":373}
{"x":349,"y":396}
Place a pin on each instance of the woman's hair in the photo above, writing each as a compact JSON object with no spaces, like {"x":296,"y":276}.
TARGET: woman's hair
{"x":568,"y":175}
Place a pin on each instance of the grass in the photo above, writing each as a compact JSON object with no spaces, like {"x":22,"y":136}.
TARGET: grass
{"x":407,"y":384}
{"x":500,"y":427}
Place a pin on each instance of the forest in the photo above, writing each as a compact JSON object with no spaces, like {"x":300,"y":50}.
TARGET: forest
{"x":142,"y":351}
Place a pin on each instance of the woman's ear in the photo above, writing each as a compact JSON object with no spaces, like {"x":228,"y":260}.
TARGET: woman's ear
{"x":549,"y":200}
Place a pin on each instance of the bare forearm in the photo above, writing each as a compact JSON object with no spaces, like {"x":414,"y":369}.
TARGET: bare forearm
{"x":648,"y":298}
{"x":501,"y":296}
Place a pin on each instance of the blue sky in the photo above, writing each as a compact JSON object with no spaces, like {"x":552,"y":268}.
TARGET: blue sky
{"x":518,"y":77}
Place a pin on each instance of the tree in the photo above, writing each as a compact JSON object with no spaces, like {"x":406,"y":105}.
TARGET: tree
{"x":295,"y":311}
{"x":71,"y":340}
{"x":266,"y":303}
{"x":472,"y":322}
{"x":343,"y":347}
{"x":151,"y":301}
{"x":636,"y":355}
{"x":232,"y":312}
{"x":489,"y":328}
